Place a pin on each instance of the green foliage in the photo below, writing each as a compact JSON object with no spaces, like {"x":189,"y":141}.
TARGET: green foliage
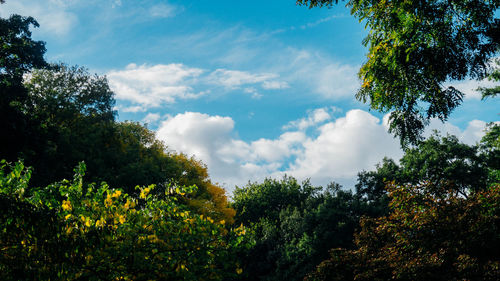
{"x":443,"y":216}
{"x":295,"y":224}
{"x":73,"y":113}
{"x":371,"y":184}
{"x":18,"y":54}
{"x":70,"y":231}
{"x":62,"y":94}
{"x":424,"y":238}
{"x":268,"y":199}
{"x":417,"y":46}
{"x":490,"y":150}
{"x":494,"y":75}
{"x":75,"y":117}
{"x":444,"y":163}
{"x":440,"y":164}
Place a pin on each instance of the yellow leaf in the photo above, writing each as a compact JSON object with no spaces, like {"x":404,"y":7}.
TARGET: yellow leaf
{"x":66,"y":205}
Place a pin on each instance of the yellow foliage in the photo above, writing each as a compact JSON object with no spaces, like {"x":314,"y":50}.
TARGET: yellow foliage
{"x":117,"y":194}
{"x":108,"y":201}
{"x":66,"y":205}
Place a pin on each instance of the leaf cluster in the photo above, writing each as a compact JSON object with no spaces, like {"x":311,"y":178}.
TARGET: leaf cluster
{"x":415,"y":47}
{"x":70,"y":230}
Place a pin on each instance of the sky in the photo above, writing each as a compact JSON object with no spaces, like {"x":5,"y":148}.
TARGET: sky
{"x":253,"y":89}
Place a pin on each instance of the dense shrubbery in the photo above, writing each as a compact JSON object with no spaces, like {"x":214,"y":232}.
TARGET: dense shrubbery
{"x":70,"y":230}
{"x":424,"y":238}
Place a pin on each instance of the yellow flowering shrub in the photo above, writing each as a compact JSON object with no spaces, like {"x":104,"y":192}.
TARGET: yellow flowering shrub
{"x":100,"y":233}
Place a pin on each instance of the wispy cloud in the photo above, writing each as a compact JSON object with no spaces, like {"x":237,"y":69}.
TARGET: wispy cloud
{"x":234,"y":79}
{"x":152,"y":86}
{"x":149,"y":86}
{"x":320,"y":21}
{"x":164,"y":10}
{"x":55,"y":17}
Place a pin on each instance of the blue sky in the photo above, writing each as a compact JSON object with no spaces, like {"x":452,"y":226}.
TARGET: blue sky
{"x":254,"y":89}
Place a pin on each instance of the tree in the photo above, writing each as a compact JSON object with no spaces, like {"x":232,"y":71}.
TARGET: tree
{"x":371,"y":184}
{"x":444,"y":163}
{"x":443,"y":216}
{"x":295,"y":224}
{"x":18,"y":54}
{"x":74,"y":110}
{"x":438,"y":163}
{"x":494,"y":75}
{"x":417,"y":46}
{"x":489,"y":148}
{"x":424,"y":238}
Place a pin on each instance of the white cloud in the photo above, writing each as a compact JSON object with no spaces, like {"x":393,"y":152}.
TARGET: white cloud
{"x":314,"y":117}
{"x":320,"y":21}
{"x":273,"y":85}
{"x":469,"y":87}
{"x":233,"y":79}
{"x":134,"y":109}
{"x":54,"y":17}
{"x":148,"y":86}
{"x":163,"y":10}
{"x":152,"y":86}
{"x":342,"y":148}
{"x":472,"y":133}
{"x":251,"y":90}
{"x":151,"y":118}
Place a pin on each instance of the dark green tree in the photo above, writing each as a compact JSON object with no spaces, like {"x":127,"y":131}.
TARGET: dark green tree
{"x":74,"y":114}
{"x":295,"y":224}
{"x":424,"y":238}
{"x":445,"y":162}
{"x":371,"y":184}
{"x":494,"y":75}
{"x":437,"y":162}
{"x":417,"y":46}
{"x":18,"y":54}
{"x":490,"y":150}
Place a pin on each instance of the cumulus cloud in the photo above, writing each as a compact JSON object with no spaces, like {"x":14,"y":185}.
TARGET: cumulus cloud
{"x":152,"y":86}
{"x":344,"y":147}
{"x":337,"y":152}
{"x":470,"y":135}
{"x":314,"y":117}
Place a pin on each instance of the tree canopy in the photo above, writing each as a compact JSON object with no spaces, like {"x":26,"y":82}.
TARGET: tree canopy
{"x":423,"y":238}
{"x":415,"y":47}
{"x":294,"y":225}
{"x":18,"y":55}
